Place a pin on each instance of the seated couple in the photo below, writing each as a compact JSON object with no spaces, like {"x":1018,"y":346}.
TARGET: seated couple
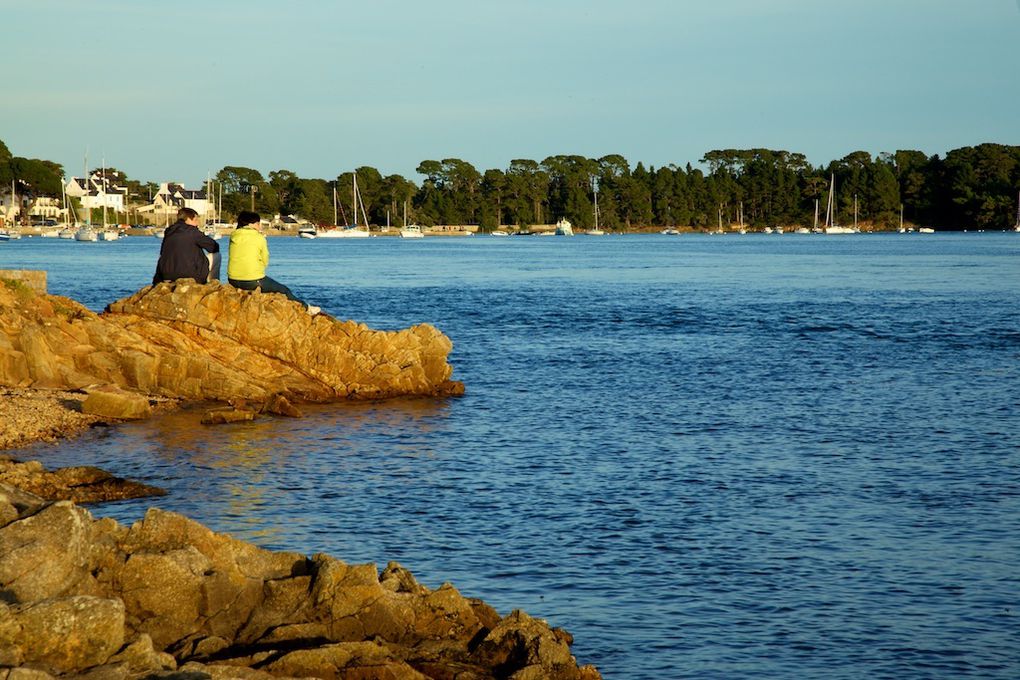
{"x":248,"y":258}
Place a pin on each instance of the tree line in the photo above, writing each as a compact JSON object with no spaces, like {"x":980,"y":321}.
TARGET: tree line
{"x":973,"y":187}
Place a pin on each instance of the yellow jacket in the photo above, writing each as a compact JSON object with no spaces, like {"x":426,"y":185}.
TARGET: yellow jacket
{"x":248,"y":256}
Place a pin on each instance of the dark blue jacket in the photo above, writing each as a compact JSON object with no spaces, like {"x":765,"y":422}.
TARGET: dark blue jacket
{"x":182,"y":255}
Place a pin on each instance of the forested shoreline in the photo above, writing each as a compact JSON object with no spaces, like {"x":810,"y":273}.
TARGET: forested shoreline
{"x":972,"y":187}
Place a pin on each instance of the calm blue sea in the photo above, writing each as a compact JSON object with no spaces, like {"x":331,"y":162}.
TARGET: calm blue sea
{"x":706,"y":457}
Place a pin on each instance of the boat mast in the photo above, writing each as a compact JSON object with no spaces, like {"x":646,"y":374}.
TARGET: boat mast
{"x":855,"y":211}
{"x":832,"y":199}
{"x":334,"y":204}
{"x":88,"y":190}
{"x":104,"y":192}
{"x":359,"y":202}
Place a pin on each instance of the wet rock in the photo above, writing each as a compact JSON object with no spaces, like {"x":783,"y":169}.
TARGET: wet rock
{"x":109,"y":401}
{"x":81,"y":484}
{"x":222,"y":416}
{"x":279,"y":405}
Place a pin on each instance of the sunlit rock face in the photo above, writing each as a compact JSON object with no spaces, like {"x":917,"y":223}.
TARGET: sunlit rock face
{"x":87,"y":596}
{"x":212,"y":341}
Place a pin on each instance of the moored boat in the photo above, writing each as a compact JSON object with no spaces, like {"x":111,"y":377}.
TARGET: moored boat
{"x":411,"y":231}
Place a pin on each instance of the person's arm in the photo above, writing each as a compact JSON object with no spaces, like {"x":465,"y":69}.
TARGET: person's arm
{"x":207,"y":244}
{"x":264,"y":251}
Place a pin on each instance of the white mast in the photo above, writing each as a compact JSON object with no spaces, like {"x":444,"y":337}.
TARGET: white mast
{"x":88,"y":183}
{"x":832,"y":199}
{"x":63,"y":198}
{"x":357,"y":202}
{"x":104,"y":193}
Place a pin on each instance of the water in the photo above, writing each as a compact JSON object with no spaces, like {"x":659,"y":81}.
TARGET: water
{"x":706,"y":457}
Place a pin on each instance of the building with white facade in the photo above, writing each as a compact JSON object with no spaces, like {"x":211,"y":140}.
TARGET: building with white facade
{"x":97,"y":192}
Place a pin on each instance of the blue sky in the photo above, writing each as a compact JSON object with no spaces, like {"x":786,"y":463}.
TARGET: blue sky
{"x":175,"y":91}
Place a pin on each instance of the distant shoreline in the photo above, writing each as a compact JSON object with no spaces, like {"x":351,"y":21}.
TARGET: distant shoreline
{"x":453,"y":231}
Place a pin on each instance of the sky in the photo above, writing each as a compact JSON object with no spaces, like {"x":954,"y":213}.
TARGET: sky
{"x":176,"y":91}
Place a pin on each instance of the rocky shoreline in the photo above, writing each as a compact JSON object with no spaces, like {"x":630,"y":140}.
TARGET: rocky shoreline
{"x":168,"y":598}
{"x":29,"y":415}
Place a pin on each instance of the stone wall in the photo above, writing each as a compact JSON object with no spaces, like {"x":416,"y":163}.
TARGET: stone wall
{"x":36,"y":280}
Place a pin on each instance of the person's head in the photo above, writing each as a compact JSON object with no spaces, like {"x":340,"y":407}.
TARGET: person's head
{"x":246,"y":218}
{"x":188,"y":215}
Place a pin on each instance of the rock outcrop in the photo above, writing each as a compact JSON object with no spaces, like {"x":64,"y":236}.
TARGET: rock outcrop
{"x":169,"y":598}
{"x":184,"y":340}
{"x":81,"y":484}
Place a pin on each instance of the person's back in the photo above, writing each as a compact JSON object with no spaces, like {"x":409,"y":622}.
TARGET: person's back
{"x":182,"y":254}
{"x":248,"y":258}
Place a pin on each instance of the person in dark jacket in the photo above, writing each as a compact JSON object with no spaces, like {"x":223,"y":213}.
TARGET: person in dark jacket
{"x":183,"y":253}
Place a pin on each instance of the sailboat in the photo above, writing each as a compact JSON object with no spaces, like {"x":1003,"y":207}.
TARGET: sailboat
{"x":10,"y":234}
{"x":410,"y":230}
{"x":595,"y":231}
{"x":1016,"y":227}
{"x":830,"y":213}
{"x":85,"y":232}
{"x":106,"y":234}
{"x":352,"y":231}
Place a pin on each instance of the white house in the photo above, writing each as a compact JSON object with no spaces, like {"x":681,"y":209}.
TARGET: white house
{"x":172,"y":197}
{"x":46,"y":207}
{"x":96,"y":192}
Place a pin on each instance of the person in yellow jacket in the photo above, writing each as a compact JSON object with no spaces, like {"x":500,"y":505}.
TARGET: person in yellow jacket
{"x":248,"y":258}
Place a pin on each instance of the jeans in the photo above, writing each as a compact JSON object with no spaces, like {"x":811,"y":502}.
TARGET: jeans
{"x":267,"y":285}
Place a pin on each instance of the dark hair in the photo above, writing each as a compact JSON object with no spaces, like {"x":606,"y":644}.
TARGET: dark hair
{"x":246,"y":217}
{"x":187,"y":214}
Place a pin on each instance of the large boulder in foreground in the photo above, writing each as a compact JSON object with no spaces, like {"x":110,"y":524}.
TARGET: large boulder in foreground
{"x":212,"y":341}
{"x":91,"y":598}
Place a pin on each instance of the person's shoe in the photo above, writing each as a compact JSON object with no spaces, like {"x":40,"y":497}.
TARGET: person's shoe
{"x":313,"y":310}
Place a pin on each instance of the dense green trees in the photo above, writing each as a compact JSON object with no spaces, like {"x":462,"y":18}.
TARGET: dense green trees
{"x":971,"y":187}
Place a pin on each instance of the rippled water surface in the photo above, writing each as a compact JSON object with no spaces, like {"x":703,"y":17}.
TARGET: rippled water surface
{"x":706,"y":457}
